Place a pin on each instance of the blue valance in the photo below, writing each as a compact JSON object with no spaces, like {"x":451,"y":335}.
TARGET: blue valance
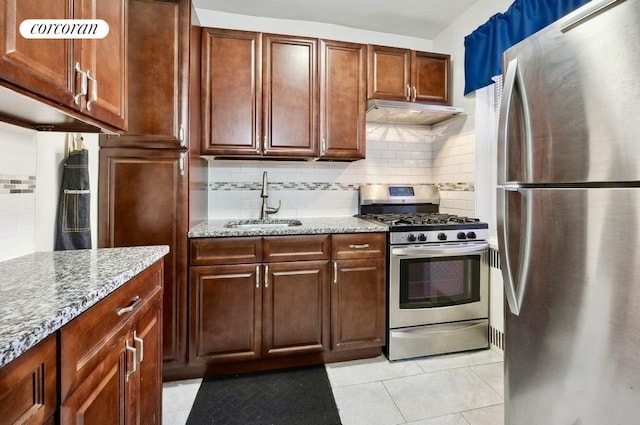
{"x":485,"y":45}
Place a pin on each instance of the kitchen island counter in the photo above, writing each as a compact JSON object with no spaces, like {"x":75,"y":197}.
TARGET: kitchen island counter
{"x":310,"y":226}
{"x":43,"y":291}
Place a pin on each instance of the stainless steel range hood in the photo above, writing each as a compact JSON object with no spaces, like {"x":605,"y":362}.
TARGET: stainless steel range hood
{"x":409,"y":113}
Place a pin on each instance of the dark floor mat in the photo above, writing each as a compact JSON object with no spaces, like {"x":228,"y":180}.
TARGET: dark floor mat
{"x":300,"y":396}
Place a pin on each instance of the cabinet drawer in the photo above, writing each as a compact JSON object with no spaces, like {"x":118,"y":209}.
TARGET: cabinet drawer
{"x":296,"y":248}
{"x":88,"y":339}
{"x":28,"y":385}
{"x":222,"y":251}
{"x":358,"y":245}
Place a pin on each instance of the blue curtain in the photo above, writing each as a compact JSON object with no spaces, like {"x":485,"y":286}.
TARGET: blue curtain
{"x":484,"y":46}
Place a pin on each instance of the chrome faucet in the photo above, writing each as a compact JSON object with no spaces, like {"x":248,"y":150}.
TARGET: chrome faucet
{"x":266,"y":210}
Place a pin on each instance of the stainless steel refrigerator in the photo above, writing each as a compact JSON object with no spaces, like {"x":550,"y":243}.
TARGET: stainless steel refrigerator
{"x":569,"y":219}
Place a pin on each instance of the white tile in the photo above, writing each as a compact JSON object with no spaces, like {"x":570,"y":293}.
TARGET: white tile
{"x":179,"y":395}
{"x":177,"y":417}
{"x":451,"y":361}
{"x":440,"y":393}
{"x":492,"y":374}
{"x":455,"y":419}
{"x":366,"y":404}
{"x":369,"y":370}
{"x":492,"y":415}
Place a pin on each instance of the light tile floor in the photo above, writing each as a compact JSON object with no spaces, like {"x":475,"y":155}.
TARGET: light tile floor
{"x":453,"y":389}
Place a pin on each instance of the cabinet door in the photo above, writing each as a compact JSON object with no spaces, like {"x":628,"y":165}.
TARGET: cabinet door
{"x":40,"y":66}
{"x":290,"y":87}
{"x":431,"y":77}
{"x":296,"y":307}
{"x":157,"y":70}
{"x":142,"y":201}
{"x":105,"y":59}
{"x":358,"y":304}
{"x":343,"y":96}
{"x":226,"y":313}
{"x":145,"y":404}
{"x":389,"y":73}
{"x":100,"y":398}
{"x":28,"y":385}
{"x":231,"y":92}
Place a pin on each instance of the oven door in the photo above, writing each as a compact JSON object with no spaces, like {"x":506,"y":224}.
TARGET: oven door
{"x":438,"y":283}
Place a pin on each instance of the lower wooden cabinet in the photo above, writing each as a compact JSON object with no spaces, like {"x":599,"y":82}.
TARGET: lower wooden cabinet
{"x":110,"y":366}
{"x":250,"y":311}
{"x":28,"y":386}
{"x":358,"y":304}
{"x":278,"y":298}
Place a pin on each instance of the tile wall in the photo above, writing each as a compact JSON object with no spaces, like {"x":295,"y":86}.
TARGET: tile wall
{"x":395,"y":154}
{"x":17,"y":191}
{"x":30,"y":173}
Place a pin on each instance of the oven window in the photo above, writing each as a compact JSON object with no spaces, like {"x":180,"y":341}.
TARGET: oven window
{"x":439,"y":281}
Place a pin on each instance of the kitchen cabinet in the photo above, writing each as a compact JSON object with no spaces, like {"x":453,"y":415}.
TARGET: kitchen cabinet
{"x":269,"y":299}
{"x":157,"y":71}
{"x":144,"y":172}
{"x":343,"y":80}
{"x":28,"y":386}
{"x":403,"y":74}
{"x":358,"y":291}
{"x":143,"y":201}
{"x":277,"y":301}
{"x":83,"y":76}
{"x":259,"y":95}
{"x":110,"y":357}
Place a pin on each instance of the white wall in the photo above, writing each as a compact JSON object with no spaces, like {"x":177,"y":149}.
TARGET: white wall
{"x":30,"y":162}
{"x":17,"y":175}
{"x":451,"y":40}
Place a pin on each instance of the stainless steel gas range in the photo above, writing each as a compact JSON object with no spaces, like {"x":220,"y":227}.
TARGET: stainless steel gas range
{"x":437,"y":281}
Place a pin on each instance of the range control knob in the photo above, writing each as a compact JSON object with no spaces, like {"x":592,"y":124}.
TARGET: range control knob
{"x":442,"y":236}
{"x":411,"y":237}
{"x":422,"y":237}
{"x":462,"y":235}
{"x":471,"y":235}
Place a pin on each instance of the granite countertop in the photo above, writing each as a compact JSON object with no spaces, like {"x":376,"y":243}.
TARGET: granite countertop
{"x":43,"y":291}
{"x":310,"y":225}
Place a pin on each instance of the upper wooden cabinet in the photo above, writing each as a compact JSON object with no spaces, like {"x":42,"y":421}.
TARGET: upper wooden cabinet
{"x":343,"y":76}
{"x":158,"y":70}
{"x":231,"y":91}
{"x":259,"y":94}
{"x":402,"y":74}
{"x":85,"y":76}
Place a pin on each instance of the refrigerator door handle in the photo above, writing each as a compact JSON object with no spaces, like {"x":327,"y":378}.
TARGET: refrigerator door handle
{"x":515,"y":281}
{"x":513,"y":82}
{"x":514,"y":284}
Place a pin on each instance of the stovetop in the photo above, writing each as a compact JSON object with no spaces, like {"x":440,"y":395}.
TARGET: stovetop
{"x":418,"y":219}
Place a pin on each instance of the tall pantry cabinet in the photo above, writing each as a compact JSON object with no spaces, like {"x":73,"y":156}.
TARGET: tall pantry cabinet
{"x":144,"y":173}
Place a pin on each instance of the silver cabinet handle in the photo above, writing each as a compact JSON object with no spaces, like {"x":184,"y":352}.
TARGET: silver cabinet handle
{"x":323,"y":146}
{"x":335,"y":272}
{"x":257,"y":276}
{"x":140,"y":342}
{"x":135,"y":362}
{"x":359,"y":246}
{"x":415,"y":93}
{"x":408,"y":92}
{"x":94,"y":90}
{"x":129,"y":308}
{"x":183,"y":142}
{"x":266,"y":276}
{"x":181,"y":163}
{"x":83,"y":84}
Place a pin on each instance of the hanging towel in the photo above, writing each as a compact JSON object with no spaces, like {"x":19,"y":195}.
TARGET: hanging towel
{"x":73,"y":224}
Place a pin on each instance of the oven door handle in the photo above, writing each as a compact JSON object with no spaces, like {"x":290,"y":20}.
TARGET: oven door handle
{"x":440,"y":250}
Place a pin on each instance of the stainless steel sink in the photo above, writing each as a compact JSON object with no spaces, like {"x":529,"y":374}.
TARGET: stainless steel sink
{"x":262,"y":224}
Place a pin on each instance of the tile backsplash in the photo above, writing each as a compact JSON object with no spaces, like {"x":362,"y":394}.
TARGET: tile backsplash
{"x":395,"y":154}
